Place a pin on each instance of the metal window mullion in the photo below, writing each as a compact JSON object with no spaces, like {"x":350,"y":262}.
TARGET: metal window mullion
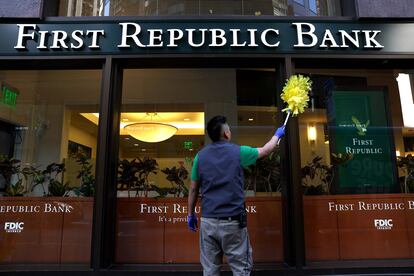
{"x":104,"y":216}
{"x":293,"y":232}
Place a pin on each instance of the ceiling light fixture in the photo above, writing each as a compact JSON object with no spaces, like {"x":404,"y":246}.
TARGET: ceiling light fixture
{"x":150,"y":131}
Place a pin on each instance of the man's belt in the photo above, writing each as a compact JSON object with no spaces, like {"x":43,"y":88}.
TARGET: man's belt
{"x":237,"y":217}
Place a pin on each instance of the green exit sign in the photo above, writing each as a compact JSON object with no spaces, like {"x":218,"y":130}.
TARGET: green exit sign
{"x":8,"y":95}
{"x":188,"y":145}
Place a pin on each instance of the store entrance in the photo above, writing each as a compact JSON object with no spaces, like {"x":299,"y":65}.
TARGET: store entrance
{"x":163,"y":115}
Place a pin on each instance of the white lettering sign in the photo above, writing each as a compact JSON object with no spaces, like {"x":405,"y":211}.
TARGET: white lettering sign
{"x":55,"y":207}
{"x":58,"y":39}
{"x":13,"y":227}
{"x":134,"y":35}
{"x":383,"y":224}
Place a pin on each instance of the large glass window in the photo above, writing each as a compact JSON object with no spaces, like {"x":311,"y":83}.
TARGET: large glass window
{"x":357,"y":165}
{"x":199,"y":7}
{"x":47,"y":158}
{"x":154,"y":172}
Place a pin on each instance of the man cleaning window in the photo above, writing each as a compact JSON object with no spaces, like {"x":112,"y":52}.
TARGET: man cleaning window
{"x":218,"y":171}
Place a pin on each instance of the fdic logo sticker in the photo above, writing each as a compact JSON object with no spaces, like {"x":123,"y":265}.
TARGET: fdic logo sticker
{"x":383,"y":224}
{"x":13,"y":227}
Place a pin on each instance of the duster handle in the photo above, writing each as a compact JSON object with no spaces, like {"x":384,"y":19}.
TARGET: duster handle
{"x":287,"y":118}
{"x":284,"y":124}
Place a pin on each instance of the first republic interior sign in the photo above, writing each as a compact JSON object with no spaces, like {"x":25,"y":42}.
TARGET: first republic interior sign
{"x":205,"y":36}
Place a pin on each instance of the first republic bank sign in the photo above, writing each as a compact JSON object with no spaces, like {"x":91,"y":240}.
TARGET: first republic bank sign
{"x":202,"y":36}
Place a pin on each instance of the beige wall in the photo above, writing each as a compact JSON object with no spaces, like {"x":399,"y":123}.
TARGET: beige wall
{"x":41,"y":104}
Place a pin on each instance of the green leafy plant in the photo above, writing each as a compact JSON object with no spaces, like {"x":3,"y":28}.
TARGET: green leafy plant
{"x":16,"y":189}
{"x":264,"y":176}
{"x":12,"y":174}
{"x":407,"y":165}
{"x":177,"y":177}
{"x":54,"y":173}
{"x":317,"y":177}
{"x":37,"y":178}
{"x":133,"y":175}
{"x":128,"y":175}
{"x":147,"y":166}
{"x":87,"y":180}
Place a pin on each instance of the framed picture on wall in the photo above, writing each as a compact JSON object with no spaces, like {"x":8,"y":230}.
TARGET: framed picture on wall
{"x":359,"y":124}
{"x":74,"y":149}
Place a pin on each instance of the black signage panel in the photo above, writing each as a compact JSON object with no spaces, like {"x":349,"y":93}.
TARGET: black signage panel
{"x":205,"y":37}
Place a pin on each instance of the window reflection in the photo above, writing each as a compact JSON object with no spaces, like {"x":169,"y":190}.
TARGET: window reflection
{"x":357,"y":171}
{"x":154,"y":177}
{"x":47,"y":164}
{"x":199,"y":7}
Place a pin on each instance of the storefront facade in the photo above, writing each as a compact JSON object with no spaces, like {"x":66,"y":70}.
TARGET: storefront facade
{"x":101,"y":117}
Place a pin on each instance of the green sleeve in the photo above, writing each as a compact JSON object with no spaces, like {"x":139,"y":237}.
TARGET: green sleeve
{"x":194,"y":173}
{"x":248,"y":156}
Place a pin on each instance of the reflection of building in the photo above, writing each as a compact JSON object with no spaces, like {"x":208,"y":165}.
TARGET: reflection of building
{"x":315,"y":7}
{"x":198,"y":7}
{"x":311,"y":207}
{"x":280,"y":7}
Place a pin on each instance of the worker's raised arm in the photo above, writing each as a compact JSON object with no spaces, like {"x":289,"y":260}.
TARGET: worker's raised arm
{"x":272,"y":143}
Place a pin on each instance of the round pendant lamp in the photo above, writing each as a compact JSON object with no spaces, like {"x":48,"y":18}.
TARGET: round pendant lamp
{"x":151,"y":132}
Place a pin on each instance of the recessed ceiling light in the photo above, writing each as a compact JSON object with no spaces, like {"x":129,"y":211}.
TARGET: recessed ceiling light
{"x":250,"y":119}
{"x":136,"y":145}
{"x":187,"y":119}
{"x":126,"y":138}
{"x":190,"y":149}
{"x":143,"y":149}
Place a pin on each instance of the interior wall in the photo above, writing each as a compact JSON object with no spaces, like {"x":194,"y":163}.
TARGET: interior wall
{"x":310,"y":149}
{"x":40,"y":110}
{"x":215,"y":88}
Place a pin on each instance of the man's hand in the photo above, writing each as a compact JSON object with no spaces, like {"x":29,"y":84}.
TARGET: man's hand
{"x":192,"y":222}
{"x":280,"y":132}
{"x":273,"y":142}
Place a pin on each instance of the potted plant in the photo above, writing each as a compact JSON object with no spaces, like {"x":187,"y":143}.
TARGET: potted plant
{"x":128,"y":175}
{"x":407,"y":165}
{"x":12,"y":174}
{"x":37,"y":178}
{"x":147,"y":166}
{"x":264,"y":175}
{"x":317,"y":177}
{"x":54,"y":173}
{"x":87,"y":180}
{"x":133,"y":175}
{"x":177,"y":176}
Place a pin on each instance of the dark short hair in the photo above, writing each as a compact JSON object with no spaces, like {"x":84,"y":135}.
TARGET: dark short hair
{"x":214,"y":127}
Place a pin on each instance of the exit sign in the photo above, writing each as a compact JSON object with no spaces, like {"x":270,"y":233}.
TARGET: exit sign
{"x":188,"y":145}
{"x":8,"y":95}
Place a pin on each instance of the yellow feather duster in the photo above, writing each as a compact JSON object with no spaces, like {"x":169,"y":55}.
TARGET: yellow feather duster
{"x":296,"y":94}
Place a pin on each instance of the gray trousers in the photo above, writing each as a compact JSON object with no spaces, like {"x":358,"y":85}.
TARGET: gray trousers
{"x":218,"y":237}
